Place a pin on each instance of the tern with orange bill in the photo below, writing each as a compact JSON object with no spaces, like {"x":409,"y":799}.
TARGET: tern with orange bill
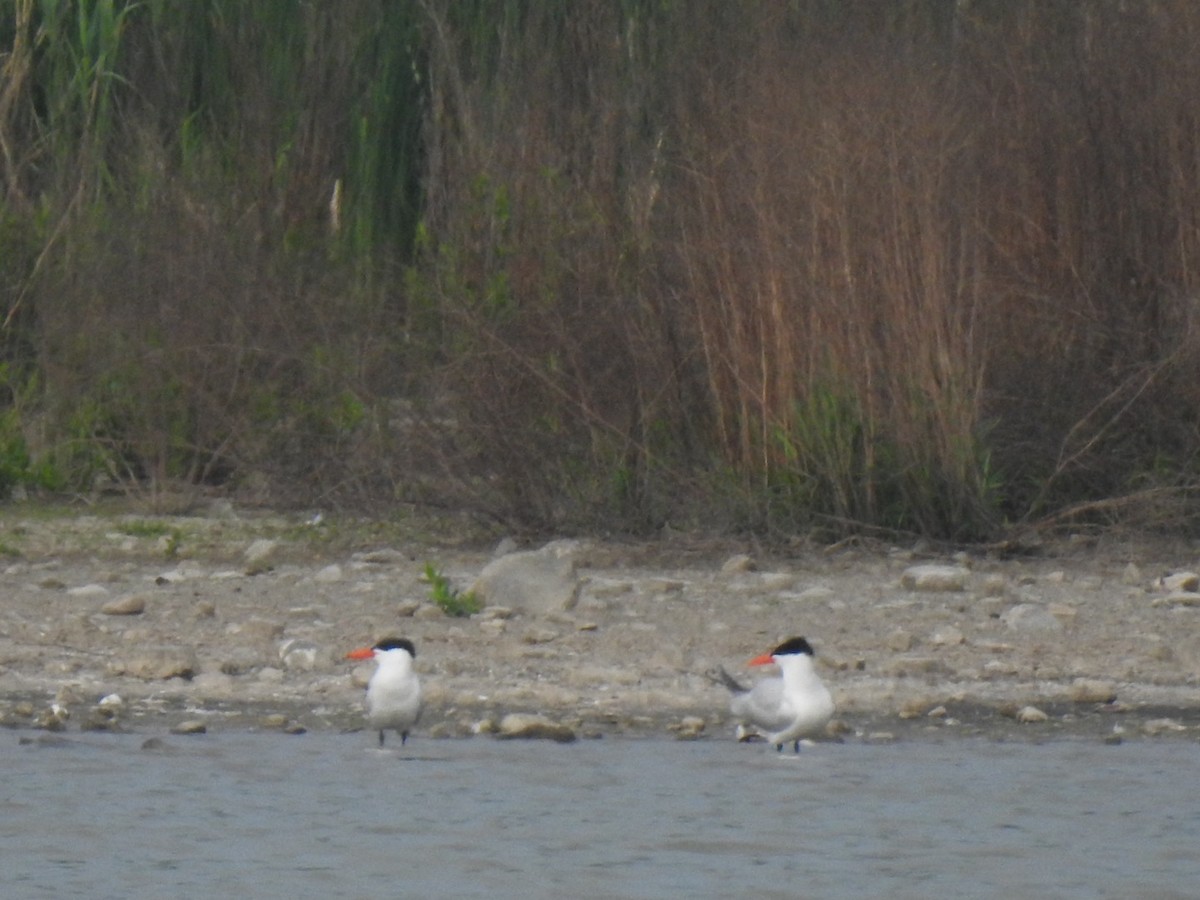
{"x":784,"y":709}
{"x":394,"y":691}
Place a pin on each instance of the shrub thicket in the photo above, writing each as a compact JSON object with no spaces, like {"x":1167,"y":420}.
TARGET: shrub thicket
{"x":926,"y":266}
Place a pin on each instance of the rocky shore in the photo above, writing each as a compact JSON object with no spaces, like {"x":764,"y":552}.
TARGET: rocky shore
{"x":127,"y":621}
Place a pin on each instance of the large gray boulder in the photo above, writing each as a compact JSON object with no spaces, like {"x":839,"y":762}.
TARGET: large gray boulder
{"x":534,"y":581}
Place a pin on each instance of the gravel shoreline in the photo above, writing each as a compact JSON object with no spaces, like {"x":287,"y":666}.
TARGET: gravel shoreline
{"x":241,"y":620}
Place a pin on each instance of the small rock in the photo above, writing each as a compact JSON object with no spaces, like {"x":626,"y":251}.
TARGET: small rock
{"x":158,"y":663}
{"x":1030,"y":617}
{"x":428,"y":612}
{"x":54,"y":718}
{"x":1030,"y":714}
{"x":912,"y":709}
{"x":899,"y":640}
{"x":239,"y":661}
{"x":534,"y":727}
{"x":89,"y":590}
{"x":1156,"y":727}
{"x":258,"y":556}
{"x":382,"y":556}
{"x":329,"y":575}
{"x":539,"y":636}
{"x":299,"y":656}
{"x":1178,"y":598}
{"x":947,"y":637}
{"x":406,"y":609}
{"x":1064,"y":612}
{"x":935,"y":578}
{"x":1092,"y":690}
{"x":689,"y":728}
{"x":256,"y":629}
{"x":739,"y":563}
{"x":938,"y":712}
{"x":838,"y":727}
{"x":190,"y":726}
{"x":1179,"y":581}
{"x":129,"y":605}
{"x":776,"y":582}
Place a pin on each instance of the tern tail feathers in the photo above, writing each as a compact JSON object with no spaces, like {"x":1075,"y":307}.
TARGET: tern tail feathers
{"x":723,"y":678}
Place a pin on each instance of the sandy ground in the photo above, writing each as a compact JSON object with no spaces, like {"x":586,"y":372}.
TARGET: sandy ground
{"x":242,"y":620}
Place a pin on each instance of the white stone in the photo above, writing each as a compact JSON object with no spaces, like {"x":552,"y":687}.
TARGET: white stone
{"x":1031,"y":714}
{"x":935,"y":578}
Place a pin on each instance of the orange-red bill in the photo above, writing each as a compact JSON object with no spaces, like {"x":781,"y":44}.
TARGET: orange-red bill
{"x":764,"y":660}
{"x":361,"y":653}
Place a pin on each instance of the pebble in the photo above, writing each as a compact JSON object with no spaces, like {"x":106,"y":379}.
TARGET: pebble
{"x":329,"y":575}
{"x":88,"y":590}
{"x":299,"y":656}
{"x":1092,"y":690}
{"x":157,"y":663}
{"x":900,"y":641}
{"x":948,"y":636}
{"x":935,"y":578}
{"x":189,"y":726}
{"x":740,"y":563}
{"x":1177,"y":598}
{"x":129,"y":605}
{"x":1156,"y":727}
{"x":1179,"y":581}
{"x":1030,"y":714}
{"x":689,"y":728}
{"x":258,"y":555}
{"x":529,"y":726}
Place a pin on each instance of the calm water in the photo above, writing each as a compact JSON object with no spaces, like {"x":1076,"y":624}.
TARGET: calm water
{"x":325,"y":815}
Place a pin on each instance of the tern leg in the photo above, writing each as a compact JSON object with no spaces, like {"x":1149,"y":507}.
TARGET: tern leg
{"x":380,"y":737}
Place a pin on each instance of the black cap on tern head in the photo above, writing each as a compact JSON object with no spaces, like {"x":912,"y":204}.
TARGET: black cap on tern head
{"x":792,"y":647}
{"x":394,"y":643}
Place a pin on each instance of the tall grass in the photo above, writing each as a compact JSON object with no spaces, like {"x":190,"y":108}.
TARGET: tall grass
{"x":927,"y":266}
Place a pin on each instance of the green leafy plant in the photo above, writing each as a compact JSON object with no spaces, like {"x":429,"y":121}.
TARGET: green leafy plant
{"x":449,"y":599}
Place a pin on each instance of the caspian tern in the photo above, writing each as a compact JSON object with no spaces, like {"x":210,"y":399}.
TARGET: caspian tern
{"x":394,"y":691}
{"x":787,"y":708}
